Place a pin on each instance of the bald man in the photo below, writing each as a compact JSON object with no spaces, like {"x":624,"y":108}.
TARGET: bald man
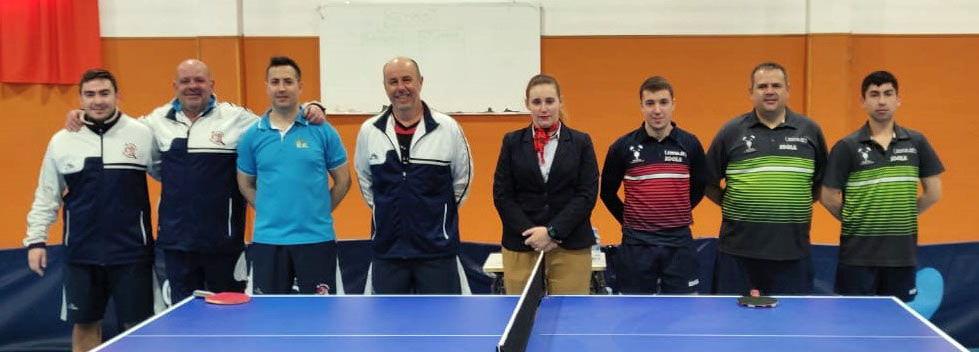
{"x":414,"y":169}
{"x":201,"y":212}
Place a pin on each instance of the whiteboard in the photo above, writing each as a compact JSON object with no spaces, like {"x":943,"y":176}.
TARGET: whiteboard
{"x":474,"y":57}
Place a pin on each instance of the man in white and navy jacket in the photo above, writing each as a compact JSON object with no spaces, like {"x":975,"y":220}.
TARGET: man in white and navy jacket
{"x":414,"y":169}
{"x":202,"y":214}
{"x":99,"y":173}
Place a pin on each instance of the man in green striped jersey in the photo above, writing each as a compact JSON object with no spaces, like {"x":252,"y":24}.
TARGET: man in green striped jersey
{"x":871,"y":185}
{"x":771,"y":160}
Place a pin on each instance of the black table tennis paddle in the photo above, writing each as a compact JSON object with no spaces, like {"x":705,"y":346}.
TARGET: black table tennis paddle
{"x":756,"y":300}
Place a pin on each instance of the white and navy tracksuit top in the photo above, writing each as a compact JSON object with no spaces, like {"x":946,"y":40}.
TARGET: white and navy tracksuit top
{"x":415,"y":201}
{"x":201,"y":209}
{"x":106,"y":206}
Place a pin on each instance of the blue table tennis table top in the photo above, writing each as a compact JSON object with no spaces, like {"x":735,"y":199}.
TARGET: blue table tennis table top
{"x":563,"y":323}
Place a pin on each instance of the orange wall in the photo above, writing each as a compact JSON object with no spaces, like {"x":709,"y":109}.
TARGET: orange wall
{"x":599,"y":76}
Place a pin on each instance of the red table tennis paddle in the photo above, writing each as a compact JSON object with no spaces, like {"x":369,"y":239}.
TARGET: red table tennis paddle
{"x":756,"y":300}
{"x":222,"y":297}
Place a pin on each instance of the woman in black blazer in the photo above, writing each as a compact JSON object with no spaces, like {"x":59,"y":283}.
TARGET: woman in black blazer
{"x":545,"y":188}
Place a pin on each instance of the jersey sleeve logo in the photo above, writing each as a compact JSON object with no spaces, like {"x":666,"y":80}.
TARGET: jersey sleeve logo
{"x":129,"y":151}
{"x":217,"y":137}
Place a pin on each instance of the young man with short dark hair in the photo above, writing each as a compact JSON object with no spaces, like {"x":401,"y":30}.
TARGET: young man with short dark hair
{"x":871,"y":186}
{"x":99,"y":174}
{"x":664,"y":171}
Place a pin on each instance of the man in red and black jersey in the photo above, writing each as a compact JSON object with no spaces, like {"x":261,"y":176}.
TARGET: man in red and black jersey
{"x":664,"y":171}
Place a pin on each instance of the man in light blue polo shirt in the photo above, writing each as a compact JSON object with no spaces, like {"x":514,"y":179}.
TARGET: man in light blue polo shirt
{"x":282,"y":166}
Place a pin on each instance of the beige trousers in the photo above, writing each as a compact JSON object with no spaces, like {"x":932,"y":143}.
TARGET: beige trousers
{"x":567,"y":272}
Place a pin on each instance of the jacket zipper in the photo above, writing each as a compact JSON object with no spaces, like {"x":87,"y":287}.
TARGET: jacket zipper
{"x":412,"y":149}
{"x":186,"y":172}
{"x":102,"y":158}
{"x":404,"y":167}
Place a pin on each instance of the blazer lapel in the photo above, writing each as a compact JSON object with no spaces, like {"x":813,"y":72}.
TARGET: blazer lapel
{"x":531,"y":155}
{"x":563,"y":151}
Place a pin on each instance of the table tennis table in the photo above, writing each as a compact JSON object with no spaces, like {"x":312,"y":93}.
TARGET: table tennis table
{"x":562,"y":323}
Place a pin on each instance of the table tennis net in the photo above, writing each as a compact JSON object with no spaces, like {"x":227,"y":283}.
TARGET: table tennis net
{"x":518,"y":330}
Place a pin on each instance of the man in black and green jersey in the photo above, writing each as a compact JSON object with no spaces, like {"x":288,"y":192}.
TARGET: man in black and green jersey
{"x":772,"y":161}
{"x":871,"y":185}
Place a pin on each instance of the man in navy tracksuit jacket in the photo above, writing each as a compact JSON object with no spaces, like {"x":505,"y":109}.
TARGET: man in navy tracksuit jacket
{"x":414,"y":169}
{"x":202,"y":214}
{"x":99,"y":173}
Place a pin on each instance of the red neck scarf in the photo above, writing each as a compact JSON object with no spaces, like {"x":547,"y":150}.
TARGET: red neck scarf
{"x":542,"y":136}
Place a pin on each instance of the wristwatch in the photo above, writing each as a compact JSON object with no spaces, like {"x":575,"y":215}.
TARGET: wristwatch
{"x":551,"y":233}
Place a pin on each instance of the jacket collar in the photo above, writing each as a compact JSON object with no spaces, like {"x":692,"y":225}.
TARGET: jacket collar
{"x":792,"y":120}
{"x":103,"y":126}
{"x":388,"y":114}
{"x":266,"y":122}
{"x":642,"y":137}
{"x":863,"y":135}
{"x":176,"y":107}
{"x":563,"y":135}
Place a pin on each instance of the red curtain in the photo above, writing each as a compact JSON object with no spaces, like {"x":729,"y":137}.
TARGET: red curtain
{"x":48,"y":41}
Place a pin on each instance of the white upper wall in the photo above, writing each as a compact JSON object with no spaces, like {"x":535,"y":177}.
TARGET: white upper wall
{"x":664,"y":17}
{"x":914,"y":16}
{"x":188,"y":18}
{"x":280,"y":18}
{"x":168,"y":18}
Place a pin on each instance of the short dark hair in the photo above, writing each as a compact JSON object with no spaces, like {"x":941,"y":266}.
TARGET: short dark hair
{"x":878,"y":78}
{"x":654,"y":84}
{"x":276,"y":61}
{"x":770,"y":65}
{"x":97,"y":73}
